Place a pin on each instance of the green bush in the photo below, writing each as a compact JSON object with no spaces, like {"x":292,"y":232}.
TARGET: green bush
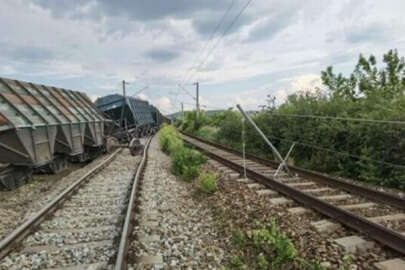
{"x":275,"y":245}
{"x":208,"y":182}
{"x":362,"y":150}
{"x":186,"y":163}
{"x":207,"y":132}
{"x":169,"y":139}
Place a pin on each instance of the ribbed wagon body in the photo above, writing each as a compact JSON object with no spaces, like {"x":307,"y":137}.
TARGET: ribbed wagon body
{"x":39,"y":124}
{"x":132,"y":116}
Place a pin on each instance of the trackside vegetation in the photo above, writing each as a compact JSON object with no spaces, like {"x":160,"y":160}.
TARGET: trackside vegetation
{"x":186,"y":162}
{"x":333,"y":127}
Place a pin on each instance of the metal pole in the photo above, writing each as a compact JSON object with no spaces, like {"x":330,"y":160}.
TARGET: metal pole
{"x":182,"y":111}
{"x":273,"y":148}
{"x":197,"y":90}
{"x":123,"y":104}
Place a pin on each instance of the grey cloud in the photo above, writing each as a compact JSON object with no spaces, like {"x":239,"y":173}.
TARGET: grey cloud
{"x":162,"y":55}
{"x":271,"y":26}
{"x":375,"y":32}
{"x":13,"y":52}
{"x":204,"y":14}
{"x":140,"y":10}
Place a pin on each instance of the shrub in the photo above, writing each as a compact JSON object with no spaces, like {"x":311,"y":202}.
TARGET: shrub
{"x":238,"y":239}
{"x":208,"y":182}
{"x":207,"y":132}
{"x":274,"y":245}
{"x":190,"y":173}
{"x":186,"y":163}
{"x":169,"y":139}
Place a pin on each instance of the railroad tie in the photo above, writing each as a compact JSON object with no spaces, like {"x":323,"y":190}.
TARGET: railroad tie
{"x":353,"y":244}
{"x":393,"y":264}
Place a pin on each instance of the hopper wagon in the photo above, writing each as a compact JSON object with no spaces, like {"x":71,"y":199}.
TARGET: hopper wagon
{"x":41,"y":127}
{"x":133,"y":117}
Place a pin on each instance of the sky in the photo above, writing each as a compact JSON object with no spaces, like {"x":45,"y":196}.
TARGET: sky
{"x":273,"y":48}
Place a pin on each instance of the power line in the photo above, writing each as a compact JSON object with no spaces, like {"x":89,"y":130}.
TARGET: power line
{"x":224,"y":33}
{"x":339,"y":118}
{"x":306,"y":144}
{"x":213,"y":33}
{"x":186,"y":91}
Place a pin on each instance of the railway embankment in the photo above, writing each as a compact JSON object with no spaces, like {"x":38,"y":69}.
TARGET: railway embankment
{"x":174,"y":229}
{"x":18,"y":205}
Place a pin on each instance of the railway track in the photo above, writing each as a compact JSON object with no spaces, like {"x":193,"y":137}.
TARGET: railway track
{"x":84,"y":227}
{"x":378,"y":215}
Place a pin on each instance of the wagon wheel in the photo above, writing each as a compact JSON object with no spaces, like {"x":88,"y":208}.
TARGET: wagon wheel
{"x":111,"y":144}
{"x":135,"y":147}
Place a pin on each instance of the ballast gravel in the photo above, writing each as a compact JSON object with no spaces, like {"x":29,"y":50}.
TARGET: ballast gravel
{"x":83,"y":230}
{"x":173,"y":231}
{"x":18,"y":205}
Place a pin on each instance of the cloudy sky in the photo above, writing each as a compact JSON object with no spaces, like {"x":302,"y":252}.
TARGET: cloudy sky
{"x":275,"y":47}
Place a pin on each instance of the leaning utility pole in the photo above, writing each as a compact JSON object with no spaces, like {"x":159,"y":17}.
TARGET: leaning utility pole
{"x":182,"y":111}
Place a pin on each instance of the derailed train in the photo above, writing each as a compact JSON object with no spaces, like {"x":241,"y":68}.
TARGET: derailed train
{"x":44,"y":127}
{"x":132,"y":117}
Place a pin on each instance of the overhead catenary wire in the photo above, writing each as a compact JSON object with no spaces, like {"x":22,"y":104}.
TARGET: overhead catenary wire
{"x":223,"y":35}
{"x":339,"y":118}
{"x":213,"y":33}
{"x":306,"y":144}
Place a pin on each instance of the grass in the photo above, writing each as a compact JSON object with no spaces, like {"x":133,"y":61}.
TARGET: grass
{"x":208,"y":182}
{"x":186,"y":162}
{"x":267,"y":247}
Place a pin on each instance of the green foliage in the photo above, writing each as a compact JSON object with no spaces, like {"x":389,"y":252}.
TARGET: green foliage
{"x":169,"y":139}
{"x":347,"y":261}
{"x":208,"y":182}
{"x":262,"y":262}
{"x":237,"y":263}
{"x":186,"y":163}
{"x":207,"y":132}
{"x":349,"y":149}
{"x":238,"y":239}
{"x":309,"y":265}
{"x":277,"y":248}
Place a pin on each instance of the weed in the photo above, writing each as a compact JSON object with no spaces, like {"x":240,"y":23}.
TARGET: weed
{"x":262,"y":262}
{"x":169,"y":139}
{"x":186,"y":163}
{"x":238,"y":239}
{"x":274,"y":244}
{"x":237,"y":263}
{"x":347,"y":261}
{"x":309,"y":265}
{"x":208,"y":182}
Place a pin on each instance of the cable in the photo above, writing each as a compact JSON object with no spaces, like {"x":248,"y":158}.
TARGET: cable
{"x":213,"y":33}
{"x":337,"y":152}
{"x":223,"y":34}
{"x":186,"y":91}
{"x":339,"y":118}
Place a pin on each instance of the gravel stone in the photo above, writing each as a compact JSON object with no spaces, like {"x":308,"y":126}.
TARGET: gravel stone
{"x":188,"y":235}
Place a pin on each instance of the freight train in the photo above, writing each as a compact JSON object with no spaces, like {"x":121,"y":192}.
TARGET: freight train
{"x":132,"y":117}
{"x":44,"y":127}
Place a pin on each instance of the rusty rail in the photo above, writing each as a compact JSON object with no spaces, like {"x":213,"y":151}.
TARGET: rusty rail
{"x":366,"y":192}
{"x":387,"y":237}
{"x":12,"y":240}
{"x":121,"y":260}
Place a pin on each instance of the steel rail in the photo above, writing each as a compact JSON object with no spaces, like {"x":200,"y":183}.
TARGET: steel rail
{"x":381,"y":234}
{"x":366,"y":192}
{"x":11,"y":241}
{"x":121,"y":260}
